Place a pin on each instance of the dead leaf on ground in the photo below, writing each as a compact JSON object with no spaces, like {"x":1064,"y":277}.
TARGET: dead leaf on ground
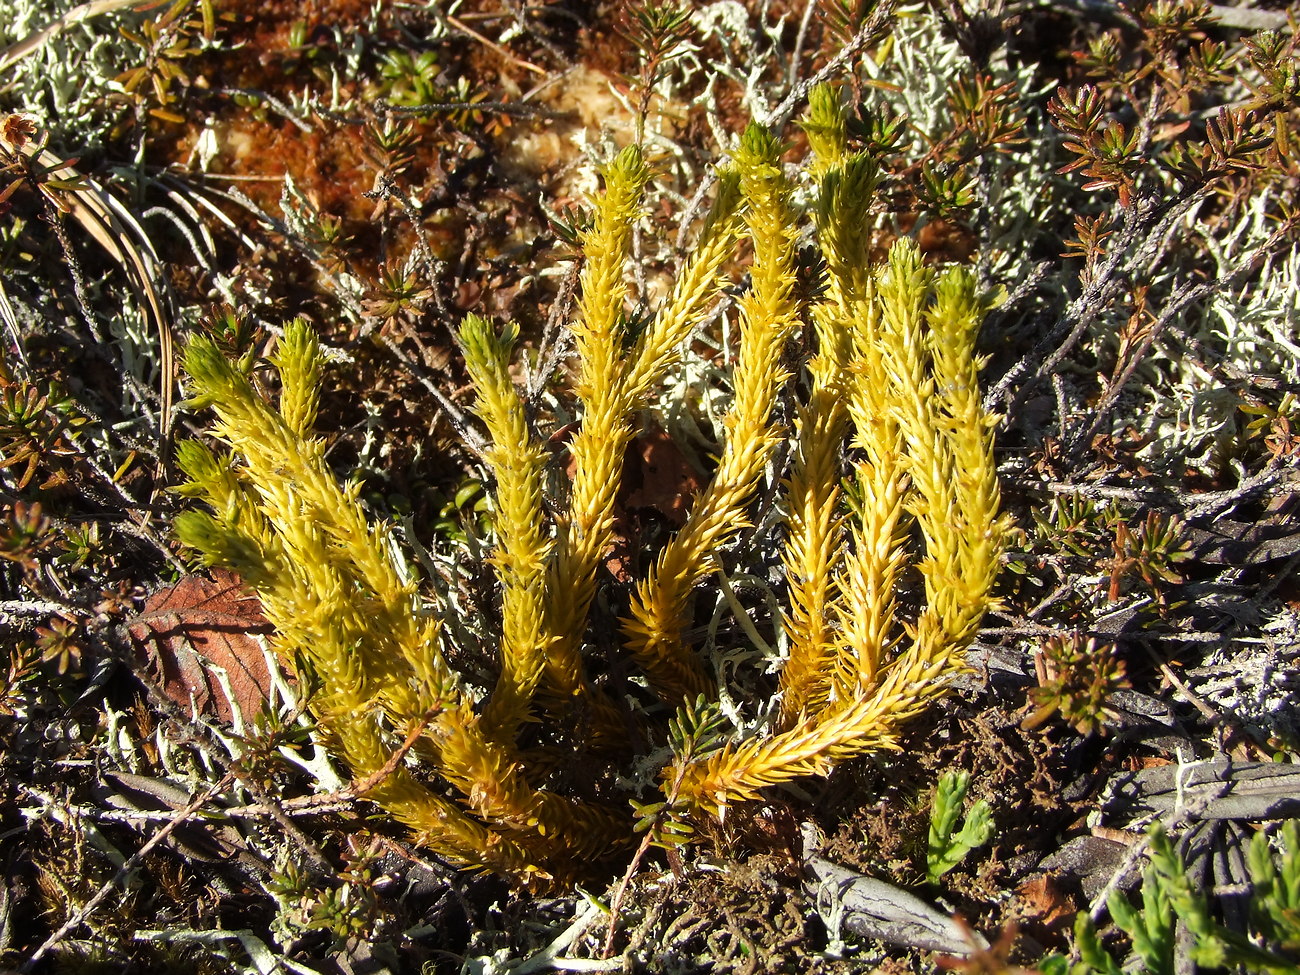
{"x":1045,"y":910}
{"x":192,"y":633}
{"x":654,"y":499}
{"x":657,"y":475}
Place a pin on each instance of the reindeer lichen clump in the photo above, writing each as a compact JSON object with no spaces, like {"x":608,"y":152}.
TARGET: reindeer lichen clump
{"x":890,"y":444}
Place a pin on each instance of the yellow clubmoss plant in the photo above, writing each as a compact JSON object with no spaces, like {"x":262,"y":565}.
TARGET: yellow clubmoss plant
{"x":889,"y":444}
{"x":613,"y":384}
{"x":768,"y":319}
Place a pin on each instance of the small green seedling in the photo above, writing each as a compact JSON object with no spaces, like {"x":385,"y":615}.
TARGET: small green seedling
{"x":1168,"y":896}
{"x":946,"y":848}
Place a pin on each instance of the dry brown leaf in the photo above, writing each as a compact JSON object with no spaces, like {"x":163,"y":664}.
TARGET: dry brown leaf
{"x":1044,"y":907}
{"x":657,"y":475}
{"x":658,"y":485}
{"x":189,"y":633}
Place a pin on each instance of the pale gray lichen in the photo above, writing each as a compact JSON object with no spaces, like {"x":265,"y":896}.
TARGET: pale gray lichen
{"x":1257,"y":682}
{"x":67,"y":78}
{"x":1242,"y":336}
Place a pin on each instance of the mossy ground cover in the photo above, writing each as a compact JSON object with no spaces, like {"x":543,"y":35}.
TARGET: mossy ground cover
{"x":1119,"y":178}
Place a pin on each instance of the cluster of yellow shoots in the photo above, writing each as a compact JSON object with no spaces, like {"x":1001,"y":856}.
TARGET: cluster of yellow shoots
{"x":892,"y":452}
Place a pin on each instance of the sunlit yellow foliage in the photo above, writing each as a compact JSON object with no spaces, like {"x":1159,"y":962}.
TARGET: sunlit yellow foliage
{"x":888,"y":443}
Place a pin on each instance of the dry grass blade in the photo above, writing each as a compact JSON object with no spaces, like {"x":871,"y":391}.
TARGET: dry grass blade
{"x":11,"y":323}
{"x":125,"y":241}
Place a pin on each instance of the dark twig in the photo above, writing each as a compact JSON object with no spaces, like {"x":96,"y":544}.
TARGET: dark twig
{"x":1249,"y":264}
{"x":516,"y":109}
{"x":620,"y":893}
{"x":125,"y":870}
{"x":876,"y":27}
{"x":203,"y":738}
{"x":552,"y":347}
{"x":271,"y":100}
{"x":364,"y":786}
{"x":464,"y":429}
